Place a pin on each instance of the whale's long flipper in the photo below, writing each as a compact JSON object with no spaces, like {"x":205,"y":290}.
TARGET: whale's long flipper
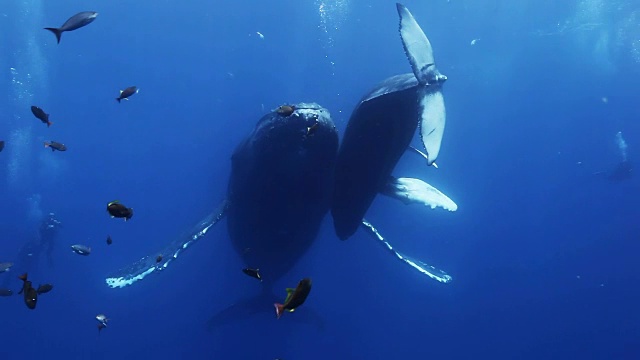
{"x":422,"y":267}
{"x":411,"y":190}
{"x":416,"y":46}
{"x":430,"y":100}
{"x":432,"y":120}
{"x":150,"y":264}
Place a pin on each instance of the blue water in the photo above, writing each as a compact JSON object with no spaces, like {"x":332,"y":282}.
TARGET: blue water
{"x":543,"y":253}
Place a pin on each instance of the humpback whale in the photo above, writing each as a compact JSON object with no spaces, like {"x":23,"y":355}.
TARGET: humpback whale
{"x":278,"y":193}
{"x":280,"y":187}
{"x":382,"y":125}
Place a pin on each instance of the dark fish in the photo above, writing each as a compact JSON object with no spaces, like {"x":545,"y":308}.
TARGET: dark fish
{"x":1,"y":145}
{"x":102,"y":318}
{"x":116,"y":209}
{"x":109,"y":241}
{"x":254,"y":273}
{"x":45,"y":288}
{"x":75,"y":22}
{"x":81,"y":249}
{"x":102,"y":322}
{"x":124,"y":94}
{"x":54,"y":145}
{"x":30,"y":294}
{"x":295,"y":297}
{"x":286,"y":110}
{"x":158,"y":259}
{"x":6,"y":292}
{"x":41,"y":115}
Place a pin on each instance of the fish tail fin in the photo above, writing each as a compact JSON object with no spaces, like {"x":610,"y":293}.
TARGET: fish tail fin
{"x":49,"y":123}
{"x":130,"y":214}
{"x":279,"y":309}
{"x":57,"y":32}
{"x":118,"y":99}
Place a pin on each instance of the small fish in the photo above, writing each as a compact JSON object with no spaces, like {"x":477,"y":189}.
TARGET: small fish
{"x":295,"y":297}
{"x":158,"y":259}
{"x":286,"y":110}
{"x":5,"y":266}
{"x":81,"y":249}
{"x":1,"y":145}
{"x":124,"y":94}
{"x":41,"y":115}
{"x":30,"y":294}
{"x":6,"y":292}
{"x":260,"y":35}
{"x":102,"y":322}
{"x":54,"y":145}
{"x":254,"y":273}
{"x":109,"y":241}
{"x":75,"y":22}
{"x":312,"y":129}
{"x":45,"y":288}
{"x":102,"y":319}
{"x":474,"y":41}
{"x":116,"y":209}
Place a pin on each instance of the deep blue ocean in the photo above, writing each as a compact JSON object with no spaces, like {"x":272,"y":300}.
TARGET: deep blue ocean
{"x":542,"y":251}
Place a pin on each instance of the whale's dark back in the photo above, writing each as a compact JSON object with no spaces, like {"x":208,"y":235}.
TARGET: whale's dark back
{"x":280,"y":188}
{"x":378,"y":133}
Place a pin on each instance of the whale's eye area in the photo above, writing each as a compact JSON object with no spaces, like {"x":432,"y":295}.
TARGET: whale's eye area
{"x":286,"y":110}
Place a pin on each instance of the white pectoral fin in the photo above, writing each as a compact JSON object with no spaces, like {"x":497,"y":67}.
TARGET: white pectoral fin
{"x":411,"y":190}
{"x":432,"y":120}
{"x":140,"y":269}
{"x":420,"y":266}
{"x":416,"y":45}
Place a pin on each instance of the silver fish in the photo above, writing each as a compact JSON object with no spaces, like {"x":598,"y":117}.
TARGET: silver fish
{"x":75,"y":22}
{"x":81,"y":249}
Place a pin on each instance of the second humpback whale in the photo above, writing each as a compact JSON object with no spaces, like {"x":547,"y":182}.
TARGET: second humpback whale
{"x":382,"y":126}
